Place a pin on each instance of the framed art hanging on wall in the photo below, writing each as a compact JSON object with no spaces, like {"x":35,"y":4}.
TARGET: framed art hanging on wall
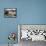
{"x":10,"y":12}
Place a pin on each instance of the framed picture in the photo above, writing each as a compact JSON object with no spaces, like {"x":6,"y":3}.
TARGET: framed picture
{"x":32,"y":32}
{"x":10,"y":12}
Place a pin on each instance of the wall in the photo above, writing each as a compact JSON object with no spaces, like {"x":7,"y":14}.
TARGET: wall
{"x":7,"y":25}
{"x":28,"y":12}
{"x":33,"y":12}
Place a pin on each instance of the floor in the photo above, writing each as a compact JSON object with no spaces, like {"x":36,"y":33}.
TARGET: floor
{"x":30,"y":43}
{"x":7,"y":45}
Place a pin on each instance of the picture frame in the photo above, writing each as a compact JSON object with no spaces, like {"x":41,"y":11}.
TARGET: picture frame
{"x":10,"y":12}
{"x":34,"y":30}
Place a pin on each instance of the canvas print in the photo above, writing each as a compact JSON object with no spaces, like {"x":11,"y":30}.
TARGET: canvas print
{"x":12,"y":38}
{"x":33,"y":32}
{"x":10,"y":12}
